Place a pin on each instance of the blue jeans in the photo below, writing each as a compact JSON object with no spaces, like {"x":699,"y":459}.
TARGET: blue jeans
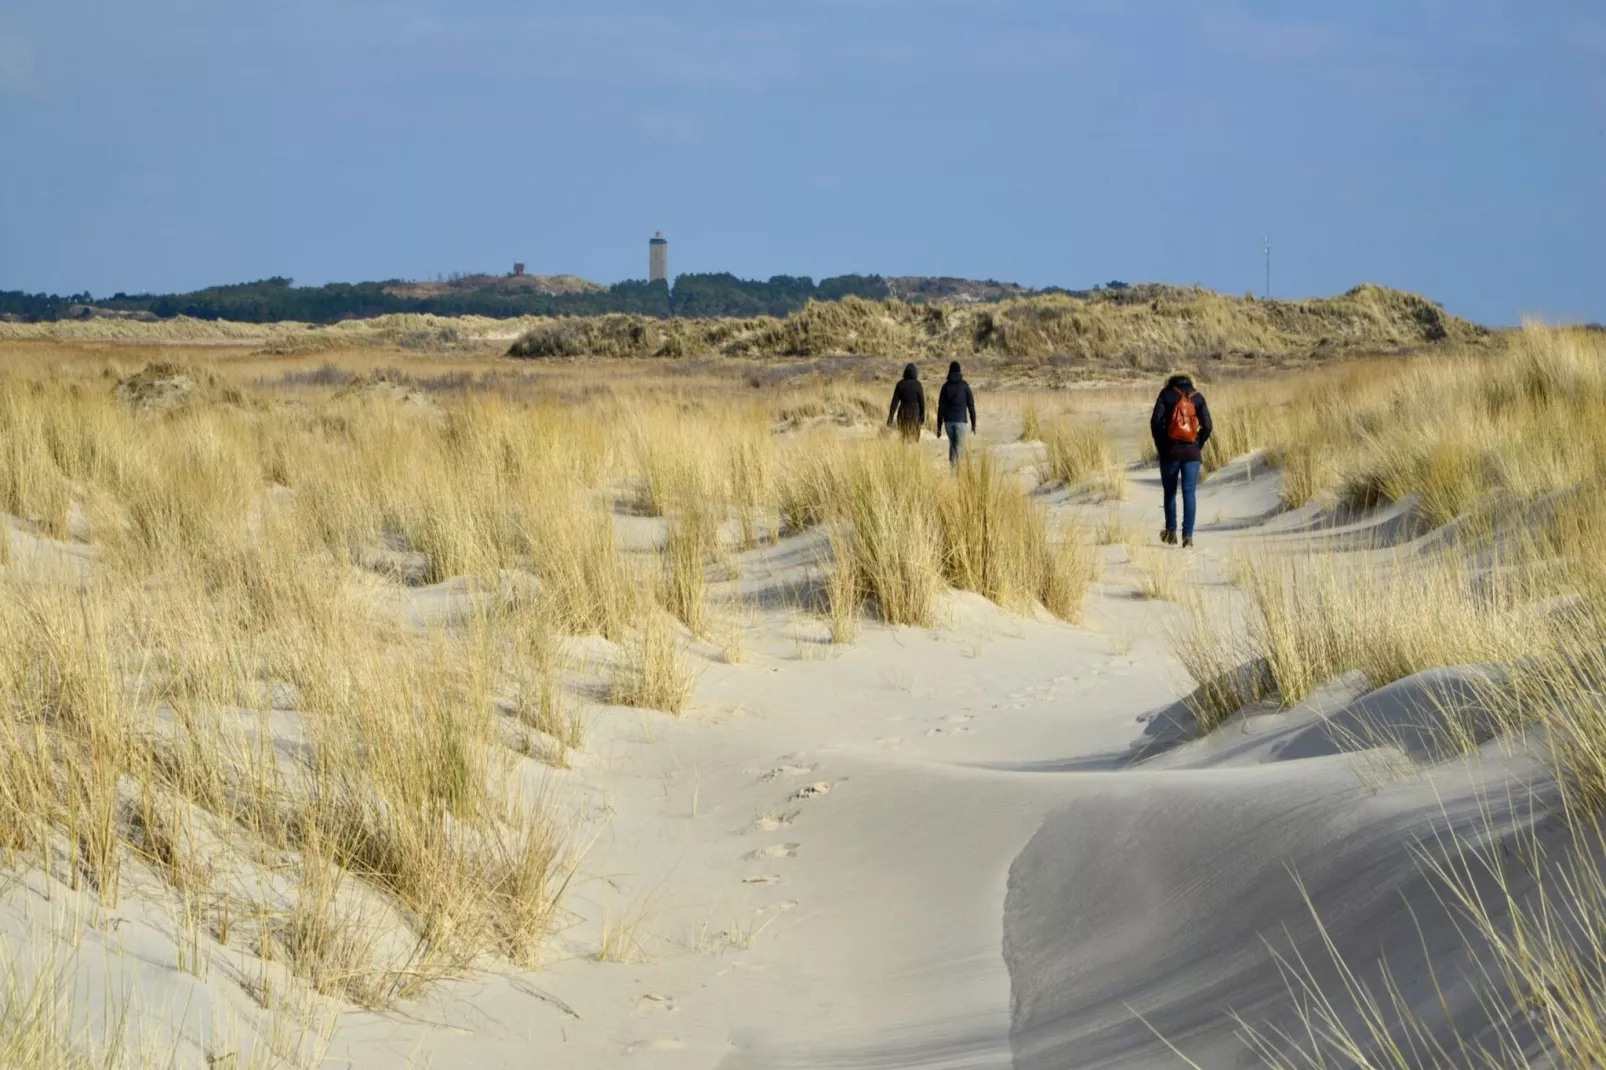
{"x":956,"y":441}
{"x":1187,"y":474}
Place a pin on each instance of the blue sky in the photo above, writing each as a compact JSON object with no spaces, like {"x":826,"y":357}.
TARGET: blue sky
{"x":1452,"y":147}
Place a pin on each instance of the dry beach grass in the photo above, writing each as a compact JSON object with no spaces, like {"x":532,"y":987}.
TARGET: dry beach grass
{"x":306,"y":653}
{"x":207,"y":685}
{"x":1502,"y":450}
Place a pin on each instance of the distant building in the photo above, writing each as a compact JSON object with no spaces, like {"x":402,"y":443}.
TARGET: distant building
{"x":518,"y":271}
{"x":658,"y":258}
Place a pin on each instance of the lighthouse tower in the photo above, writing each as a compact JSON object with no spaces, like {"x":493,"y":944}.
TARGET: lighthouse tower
{"x":658,"y":258}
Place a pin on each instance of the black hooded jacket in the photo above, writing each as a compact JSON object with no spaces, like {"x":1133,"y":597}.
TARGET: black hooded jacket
{"x":1161,"y":421}
{"x":908,"y":399}
{"x":956,"y":404}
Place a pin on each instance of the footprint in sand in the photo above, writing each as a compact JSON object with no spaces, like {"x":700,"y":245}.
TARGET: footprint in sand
{"x":786,"y":772}
{"x":652,"y":1002}
{"x":768,"y":878}
{"x":810,"y":791}
{"x":770,"y":822}
{"x":1030,"y":696}
{"x":774,"y":851}
{"x":661,"y":1044}
{"x":779,"y":908}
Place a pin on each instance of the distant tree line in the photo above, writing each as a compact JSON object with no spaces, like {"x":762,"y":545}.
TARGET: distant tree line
{"x":279,"y":299}
{"x":14,"y":304}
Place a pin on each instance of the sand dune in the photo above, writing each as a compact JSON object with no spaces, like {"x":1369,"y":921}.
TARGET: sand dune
{"x":990,"y":844}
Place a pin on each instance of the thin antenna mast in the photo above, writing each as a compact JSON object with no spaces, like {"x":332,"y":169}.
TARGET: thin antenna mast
{"x":1268,"y":268}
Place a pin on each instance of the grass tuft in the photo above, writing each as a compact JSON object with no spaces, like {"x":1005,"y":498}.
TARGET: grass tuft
{"x":654,"y":674}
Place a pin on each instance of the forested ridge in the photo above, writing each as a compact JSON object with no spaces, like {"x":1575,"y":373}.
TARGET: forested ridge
{"x":705,"y":296}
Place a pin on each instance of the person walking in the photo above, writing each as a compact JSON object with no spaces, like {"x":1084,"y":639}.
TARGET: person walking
{"x":1181,"y":427}
{"x":955,"y":404}
{"x":908,"y":405}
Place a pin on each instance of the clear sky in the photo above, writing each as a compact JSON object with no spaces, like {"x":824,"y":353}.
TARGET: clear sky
{"x":1452,"y":147}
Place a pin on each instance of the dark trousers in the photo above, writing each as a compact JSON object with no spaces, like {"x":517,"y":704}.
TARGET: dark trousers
{"x":956,"y":441}
{"x":1183,"y":475}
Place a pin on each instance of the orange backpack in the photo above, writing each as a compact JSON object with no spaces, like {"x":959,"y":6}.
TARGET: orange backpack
{"x":1184,"y":426}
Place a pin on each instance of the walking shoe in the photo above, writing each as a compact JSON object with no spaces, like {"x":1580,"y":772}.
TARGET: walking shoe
{"x":1187,"y":544}
{"x":1168,"y":537}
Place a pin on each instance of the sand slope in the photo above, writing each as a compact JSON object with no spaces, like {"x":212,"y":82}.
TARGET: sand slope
{"x":1162,"y":895}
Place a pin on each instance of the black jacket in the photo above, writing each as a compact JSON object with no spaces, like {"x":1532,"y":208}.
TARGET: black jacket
{"x":956,"y":403}
{"x":908,"y":400}
{"x":1161,"y":421}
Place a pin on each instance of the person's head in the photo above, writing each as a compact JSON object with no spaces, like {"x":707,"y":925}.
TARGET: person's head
{"x":911,"y":372}
{"x":953,"y":370}
{"x":1180,"y":379}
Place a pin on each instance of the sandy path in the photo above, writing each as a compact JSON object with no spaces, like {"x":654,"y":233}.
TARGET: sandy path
{"x":879,"y":902}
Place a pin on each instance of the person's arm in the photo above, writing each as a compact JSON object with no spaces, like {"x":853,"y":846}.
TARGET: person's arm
{"x":892,"y":413}
{"x":1205,"y":426}
{"x":970,"y":407}
{"x":1157,"y":423}
{"x":920,"y":392}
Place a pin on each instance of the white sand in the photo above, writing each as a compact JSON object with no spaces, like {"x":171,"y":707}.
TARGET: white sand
{"x":924,"y":850}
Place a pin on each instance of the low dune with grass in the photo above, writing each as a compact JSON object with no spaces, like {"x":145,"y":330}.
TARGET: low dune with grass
{"x":383,"y":702}
{"x":1123,"y":327}
{"x":1137,"y":329}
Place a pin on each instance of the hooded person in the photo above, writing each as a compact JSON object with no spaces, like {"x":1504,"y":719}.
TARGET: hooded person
{"x":955,"y":406}
{"x":1180,"y":426}
{"x":908,"y":405}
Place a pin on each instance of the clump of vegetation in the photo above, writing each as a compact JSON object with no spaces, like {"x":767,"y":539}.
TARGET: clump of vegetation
{"x":997,"y":543}
{"x":900,"y":533}
{"x":1078,"y":453}
{"x":1315,"y":619}
{"x":884,"y":499}
{"x":1390,"y":437}
{"x":653,"y":675}
{"x":1031,"y":422}
{"x":1451,"y":431}
{"x":559,"y":339}
{"x":691,"y":542}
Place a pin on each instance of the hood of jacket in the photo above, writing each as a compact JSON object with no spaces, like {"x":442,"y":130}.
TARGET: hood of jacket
{"x":911,"y":372}
{"x":954,"y":372}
